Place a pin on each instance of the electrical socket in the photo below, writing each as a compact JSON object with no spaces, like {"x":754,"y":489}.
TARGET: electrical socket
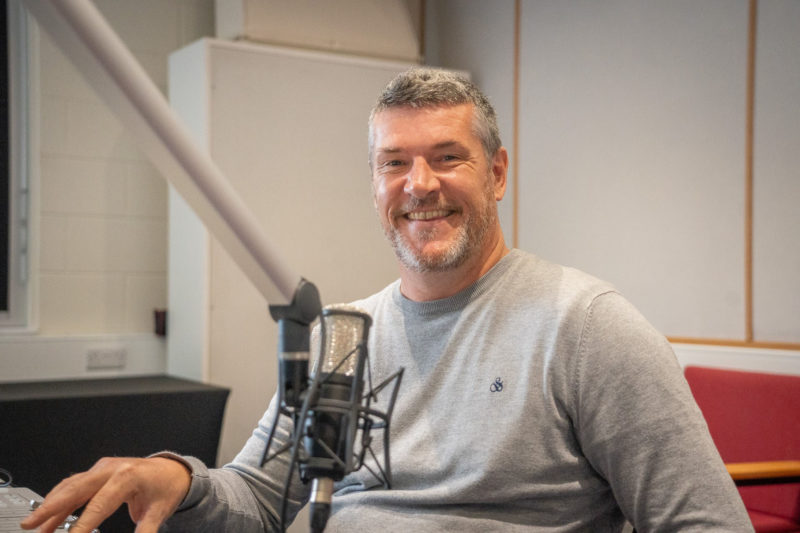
{"x":105,"y":358}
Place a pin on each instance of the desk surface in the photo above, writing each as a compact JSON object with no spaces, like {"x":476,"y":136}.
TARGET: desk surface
{"x":45,"y":390}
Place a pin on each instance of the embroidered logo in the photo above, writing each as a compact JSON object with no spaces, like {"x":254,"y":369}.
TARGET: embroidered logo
{"x":497,"y":386}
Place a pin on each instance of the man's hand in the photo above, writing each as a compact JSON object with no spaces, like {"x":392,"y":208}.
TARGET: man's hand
{"x":153,"y":488}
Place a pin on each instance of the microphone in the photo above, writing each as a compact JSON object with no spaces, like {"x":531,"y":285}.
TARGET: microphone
{"x":334,"y":405}
{"x":331,"y":404}
{"x":293,"y":321}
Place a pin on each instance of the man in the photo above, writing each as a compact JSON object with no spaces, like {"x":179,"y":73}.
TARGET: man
{"x":534,"y":397}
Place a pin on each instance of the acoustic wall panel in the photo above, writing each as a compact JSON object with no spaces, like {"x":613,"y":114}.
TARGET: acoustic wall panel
{"x":776,"y":174}
{"x":632,"y":135}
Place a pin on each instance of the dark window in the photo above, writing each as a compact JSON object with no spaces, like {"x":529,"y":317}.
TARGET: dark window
{"x":13,"y":166}
{"x":5,"y":181}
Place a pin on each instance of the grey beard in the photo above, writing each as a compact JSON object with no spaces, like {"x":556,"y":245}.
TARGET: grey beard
{"x":469,"y":239}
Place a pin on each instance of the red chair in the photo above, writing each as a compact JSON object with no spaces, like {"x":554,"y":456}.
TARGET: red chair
{"x":754,"y":419}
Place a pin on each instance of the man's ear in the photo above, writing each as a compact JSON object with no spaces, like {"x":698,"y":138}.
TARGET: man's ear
{"x":500,"y":172}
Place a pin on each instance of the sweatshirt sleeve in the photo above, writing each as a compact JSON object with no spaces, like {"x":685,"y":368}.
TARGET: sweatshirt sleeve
{"x":242,"y":496}
{"x":640,"y":428}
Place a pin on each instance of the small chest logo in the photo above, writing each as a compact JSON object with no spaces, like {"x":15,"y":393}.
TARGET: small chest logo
{"x":497,"y":386}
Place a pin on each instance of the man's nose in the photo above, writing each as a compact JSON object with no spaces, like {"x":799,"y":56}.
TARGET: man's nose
{"x":421,"y":180}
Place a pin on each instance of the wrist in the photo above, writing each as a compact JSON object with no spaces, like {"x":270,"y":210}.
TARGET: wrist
{"x":176,"y":470}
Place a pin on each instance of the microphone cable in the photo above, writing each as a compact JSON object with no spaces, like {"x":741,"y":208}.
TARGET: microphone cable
{"x":8,"y":478}
{"x":324,"y":444}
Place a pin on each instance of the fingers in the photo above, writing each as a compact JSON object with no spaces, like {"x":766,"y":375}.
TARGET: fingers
{"x":102,"y":505}
{"x":143,"y":486}
{"x":153,"y":488}
{"x":52,"y":524}
{"x":75,"y":491}
{"x":67,"y":496}
{"x":118,"y":488}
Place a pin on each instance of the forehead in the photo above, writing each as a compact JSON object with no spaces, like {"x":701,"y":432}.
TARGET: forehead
{"x":405,"y":127}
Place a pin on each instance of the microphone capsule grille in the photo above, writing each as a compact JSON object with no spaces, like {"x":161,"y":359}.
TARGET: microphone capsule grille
{"x":344,"y":329}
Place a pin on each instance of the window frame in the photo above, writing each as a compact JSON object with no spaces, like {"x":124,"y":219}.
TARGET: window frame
{"x":21,"y":89}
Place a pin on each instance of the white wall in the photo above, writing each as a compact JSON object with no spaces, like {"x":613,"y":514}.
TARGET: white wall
{"x":388,"y":29}
{"x":632,"y":148}
{"x":102,"y":208}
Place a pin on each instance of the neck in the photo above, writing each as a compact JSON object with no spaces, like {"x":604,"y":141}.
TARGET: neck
{"x":427,"y":286}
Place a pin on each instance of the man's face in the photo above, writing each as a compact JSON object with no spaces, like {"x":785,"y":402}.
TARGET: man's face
{"x":434,"y":190}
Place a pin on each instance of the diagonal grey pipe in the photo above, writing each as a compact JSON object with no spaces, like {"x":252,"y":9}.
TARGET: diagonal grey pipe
{"x":110,"y":68}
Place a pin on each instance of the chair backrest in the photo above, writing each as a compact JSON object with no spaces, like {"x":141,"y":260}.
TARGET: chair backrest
{"x":753,"y":416}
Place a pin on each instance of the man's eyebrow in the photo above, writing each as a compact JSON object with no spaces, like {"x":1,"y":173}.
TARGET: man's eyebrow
{"x":448,"y":144}
{"x":437,"y":146}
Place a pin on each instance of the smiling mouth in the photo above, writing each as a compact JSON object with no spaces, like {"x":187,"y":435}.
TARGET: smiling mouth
{"x":428,"y":215}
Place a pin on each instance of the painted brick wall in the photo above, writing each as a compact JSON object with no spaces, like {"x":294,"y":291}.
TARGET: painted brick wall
{"x":103,"y":209}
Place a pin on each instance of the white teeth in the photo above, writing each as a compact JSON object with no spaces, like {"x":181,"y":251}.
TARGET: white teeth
{"x":426,"y":215}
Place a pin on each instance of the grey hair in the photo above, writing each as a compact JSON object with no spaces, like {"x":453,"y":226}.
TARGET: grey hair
{"x":421,"y":87}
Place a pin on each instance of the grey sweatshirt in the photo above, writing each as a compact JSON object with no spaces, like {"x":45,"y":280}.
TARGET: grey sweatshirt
{"x":538,"y":399}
